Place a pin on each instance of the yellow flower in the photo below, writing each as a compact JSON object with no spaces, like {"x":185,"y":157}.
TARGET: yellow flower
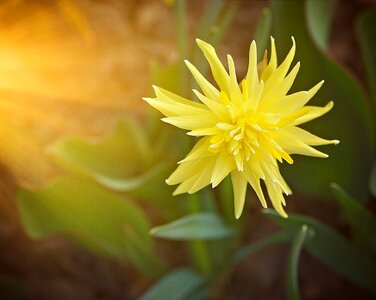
{"x":243,"y":128}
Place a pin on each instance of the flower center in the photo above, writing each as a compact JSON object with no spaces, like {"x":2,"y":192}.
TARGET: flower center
{"x":239,"y":139}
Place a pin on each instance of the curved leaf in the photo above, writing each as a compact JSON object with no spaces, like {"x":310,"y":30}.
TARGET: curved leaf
{"x":361,"y":220}
{"x":319,"y":17}
{"x":292,"y":263}
{"x":365,"y":26}
{"x":333,"y":250}
{"x":121,"y":155}
{"x":91,"y":216}
{"x":262,"y":33}
{"x":199,"y":226}
{"x":179,"y":284}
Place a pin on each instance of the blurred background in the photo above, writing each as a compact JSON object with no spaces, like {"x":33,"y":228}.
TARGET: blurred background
{"x":75,"y":68}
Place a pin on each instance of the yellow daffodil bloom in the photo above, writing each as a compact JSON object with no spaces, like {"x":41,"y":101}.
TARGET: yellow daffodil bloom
{"x":245,"y":128}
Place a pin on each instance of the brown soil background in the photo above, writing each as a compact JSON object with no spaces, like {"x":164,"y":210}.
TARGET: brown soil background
{"x":61,"y":76}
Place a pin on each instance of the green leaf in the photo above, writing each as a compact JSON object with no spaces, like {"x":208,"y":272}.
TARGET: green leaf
{"x":180,"y":284}
{"x":91,"y":216}
{"x":293,"y":261}
{"x":365,"y":29}
{"x":262,"y":33}
{"x":349,"y":163}
{"x":361,"y":220}
{"x":121,"y":155}
{"x":319,"y":17}
{"x":248,"y":250}
{"x":200,"y":226}
{"x":333,"y":250}
{"x":209,"y":18}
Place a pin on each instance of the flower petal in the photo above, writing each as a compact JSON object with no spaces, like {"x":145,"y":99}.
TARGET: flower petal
{"x":254,"y":181}
{"x":223,"y":166}
{"x":208,"y":89}
{"x":276,"y":197}
{"x":199,"y":150}
{"x":252,"y":74}
{"x":217,"y":108}
{"x":193,"y":122}
{"x":219,"y":72}
{"x":313,"y":112}
{"x":239,"y":184}
{"x":307,"y":137}
{"x":293,"y":102}
{"x":270,"y":68}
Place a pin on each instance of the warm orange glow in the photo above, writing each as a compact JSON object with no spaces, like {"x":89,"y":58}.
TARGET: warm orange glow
{"x":65,"y":68}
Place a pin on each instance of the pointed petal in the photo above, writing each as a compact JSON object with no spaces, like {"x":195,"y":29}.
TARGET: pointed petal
{"x":270,"y":68}
{"x":216,"y":107}
{"x":291,"y":103}
{"x":223,"y":166}
{"x":185,"y":171}
{"x":234,"y":89}
{"x":199,"y":150}
{"x":172,"y":98}
{"x":275,"y":79}
{"x":295,"y":144}
{"x":193,"y":122}
{"x":313,"y":112}
{"x":308,"y":138}
{"x":208,"y":89}
{"x":254,"y":99}
{"x":203,"y":178}
{"x":177,"y":109}
{"x":219,"y":72}
{"x":255,"y":184}
{"x":204,"y":131}
{"x":276,"y":197}
{"x":288,"y":81}
{"x":252,"y":74}
{"x":184,"y":187}
{"x":283,"y":68}
{"x":239,"y":184}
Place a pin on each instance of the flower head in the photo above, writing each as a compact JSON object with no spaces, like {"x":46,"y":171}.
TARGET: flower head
{"x":245,"y":128}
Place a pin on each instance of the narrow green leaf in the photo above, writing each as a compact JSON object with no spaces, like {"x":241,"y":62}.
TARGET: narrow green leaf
{"x":361,"y":220}
{"x":333,"y":250}
{"x":200,"y":226}
{"x":89,"y":215}
{"x":248,"y":250}
{"x":262,"y":33}
{"x":219,"y":31}
{"x":365,"y":29}
{"x":179,"y":284}
{"x":293,"y":262}
{"x":319,"y":17}
{"x":209,"y":18}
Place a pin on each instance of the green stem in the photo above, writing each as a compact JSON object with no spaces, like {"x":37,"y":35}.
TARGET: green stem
{"x":181,"y":31}
{"x":199,"y":249}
